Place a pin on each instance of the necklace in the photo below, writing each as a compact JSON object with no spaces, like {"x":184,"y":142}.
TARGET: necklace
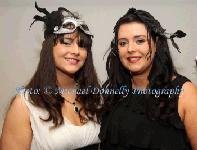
{"x":75,"y":108}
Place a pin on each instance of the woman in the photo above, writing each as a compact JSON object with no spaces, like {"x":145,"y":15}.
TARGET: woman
{"x":155,"y":115}
{"x":46,"y":116}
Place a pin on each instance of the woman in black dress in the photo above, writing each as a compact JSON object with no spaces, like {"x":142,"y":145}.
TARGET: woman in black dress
{"x":159,"y":113}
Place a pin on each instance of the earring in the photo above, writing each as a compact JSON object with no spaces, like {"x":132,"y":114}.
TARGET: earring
{"x":77,"y":84}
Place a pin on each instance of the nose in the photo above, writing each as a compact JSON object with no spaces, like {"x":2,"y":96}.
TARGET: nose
{"x":75,"y":49}
{"x":131,"y":47}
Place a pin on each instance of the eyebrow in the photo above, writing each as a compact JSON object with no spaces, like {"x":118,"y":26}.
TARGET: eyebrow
{"x":122,"y":39}
{"x":70,"y":37}
{"x":135,"y":37}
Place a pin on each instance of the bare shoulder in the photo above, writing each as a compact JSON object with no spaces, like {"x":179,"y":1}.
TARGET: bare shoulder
{"x":187,"y":99}
{"x":188,"y":102}
{"x":18,"y":108}
{"x":188,"y":95}
{"x":16,"y":129}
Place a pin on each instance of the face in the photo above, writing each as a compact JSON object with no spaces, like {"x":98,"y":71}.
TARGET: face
{"x":68,"y":56}
{"x":133,"y":48}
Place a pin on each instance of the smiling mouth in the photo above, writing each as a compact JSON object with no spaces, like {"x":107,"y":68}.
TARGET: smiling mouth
{"x":72,"y":61}
{"x":133,"y":59}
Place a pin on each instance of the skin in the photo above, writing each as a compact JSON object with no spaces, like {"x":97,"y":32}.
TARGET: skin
{"x":69,"y":58}
{"x":132,"y":48}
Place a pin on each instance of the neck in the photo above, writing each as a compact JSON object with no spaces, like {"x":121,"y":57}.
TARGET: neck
{"x":65,"y":80}
{"x":140,"y":80}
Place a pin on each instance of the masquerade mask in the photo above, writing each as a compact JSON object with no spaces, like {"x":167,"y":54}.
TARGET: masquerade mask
{"x":60,"y":21}
{"x":70,"y":25}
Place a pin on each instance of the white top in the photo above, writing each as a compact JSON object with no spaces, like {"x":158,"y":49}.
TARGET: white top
{"x":65,"y":137}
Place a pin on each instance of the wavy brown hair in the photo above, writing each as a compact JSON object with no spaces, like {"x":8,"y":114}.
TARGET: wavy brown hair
{"x":45,"y":76}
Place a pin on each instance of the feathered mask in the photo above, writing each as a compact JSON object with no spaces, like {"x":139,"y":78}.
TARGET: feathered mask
{"x":60,"y":21}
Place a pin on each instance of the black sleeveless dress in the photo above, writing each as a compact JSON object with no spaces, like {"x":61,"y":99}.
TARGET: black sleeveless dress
{"x":90,"y":147}
{"x":127,"y":126}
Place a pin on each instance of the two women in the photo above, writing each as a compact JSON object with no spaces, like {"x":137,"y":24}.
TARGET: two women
{"x":139,"y":58}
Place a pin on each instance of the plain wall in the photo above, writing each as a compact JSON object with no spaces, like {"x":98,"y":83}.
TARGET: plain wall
{"x":19,"y":47}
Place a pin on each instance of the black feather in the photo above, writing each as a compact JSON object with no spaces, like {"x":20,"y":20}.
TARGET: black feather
{"x":43,"y":10}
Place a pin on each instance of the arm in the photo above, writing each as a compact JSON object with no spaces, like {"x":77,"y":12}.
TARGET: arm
{"x":188,"y":105}
{"x":16,"y":133}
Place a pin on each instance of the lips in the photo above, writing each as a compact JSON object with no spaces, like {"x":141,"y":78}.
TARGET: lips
{"x":134,"y":59}
{"x":72,"y":61}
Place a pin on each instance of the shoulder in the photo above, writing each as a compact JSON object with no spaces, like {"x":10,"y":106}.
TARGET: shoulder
{"x":189,"y":93}
{"x":19,"y":104}
{"x":17,"y":117}
{"x":189,"y":88}
{"x":18,"y":111}
{"x":188,"y":98}
{"x":16,"y":130}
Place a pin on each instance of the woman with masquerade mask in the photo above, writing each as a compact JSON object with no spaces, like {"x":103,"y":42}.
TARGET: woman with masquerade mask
{"x":160,"y":111}
{"x":53,"y":120}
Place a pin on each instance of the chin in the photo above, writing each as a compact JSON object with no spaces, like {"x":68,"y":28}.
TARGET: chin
{"x":71,"y":71}
{"x":134,"y":69}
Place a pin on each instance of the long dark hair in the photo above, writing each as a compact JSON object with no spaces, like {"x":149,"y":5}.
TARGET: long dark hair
{"x":45,"y":76}
{"x":161,"y":73}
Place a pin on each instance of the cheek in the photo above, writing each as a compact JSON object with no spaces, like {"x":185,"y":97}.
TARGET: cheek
{"x":122,"y":53}
{"x":58,"y":50}
{"x":58,"y":55}
{"x":146,"y":52}
{"x":84,"y":54}
{"x":147,"y":61}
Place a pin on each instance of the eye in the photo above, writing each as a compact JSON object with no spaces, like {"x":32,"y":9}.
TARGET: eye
{"x":67,"y":42}
{"x":122,"y":43}
{"x":69,"y":25}
{"x":140,"y":41}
